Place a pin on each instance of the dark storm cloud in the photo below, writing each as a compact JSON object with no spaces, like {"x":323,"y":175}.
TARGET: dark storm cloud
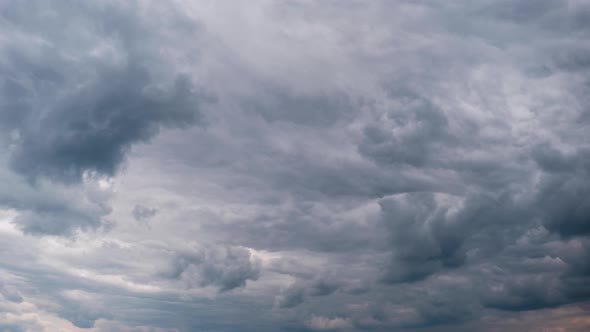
{"x":93,"y":129}
{"x":565,"y":205}
{"x":83,"y":113}
{"x":73,"y":105}
{"x":564,"y":189}
{"x":434,"y":231}
{"x":486,"y":180}
{"x":382,"y":166}
{"x":423,"y":240}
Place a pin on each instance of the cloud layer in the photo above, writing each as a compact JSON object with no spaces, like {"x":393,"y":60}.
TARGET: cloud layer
{"x":294,"y":166}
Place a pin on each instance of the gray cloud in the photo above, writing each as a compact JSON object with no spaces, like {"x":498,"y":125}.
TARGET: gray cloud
{"x":141,"y":212}
{"x":563,"y":191}
{"x":74,"y":106}
{"x":55,"y":209}
{"x":383,"y":166}
{"x":93,"y":129}
{"x":83,"y":113}
{"x":291,"y":297}
{"x":226,"y":268}
{"x":10,"y":294}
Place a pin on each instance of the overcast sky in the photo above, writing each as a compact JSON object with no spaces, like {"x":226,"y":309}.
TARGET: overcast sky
{"x":298,"y":166}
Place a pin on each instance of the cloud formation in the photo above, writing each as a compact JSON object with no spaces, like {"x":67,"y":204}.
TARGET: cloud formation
{"x":300,"y":166}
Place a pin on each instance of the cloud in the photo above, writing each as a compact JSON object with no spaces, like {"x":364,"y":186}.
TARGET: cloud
{"x":527,"y":293}
{"x":10,"y":294}
{"x":83,"y":112}
{"x":95,"y":127}
{"x":55,"y":209}
{"x":141,"y":212}
{"x":227,"y":268}
{"x":409,"y":134}
{"x":301,"y":291}
{"x":75,"y":105}
{"x":291,"y":297}
{"x":563,"y":191}
{"x":320,"y":323}
{"x":383,"y":166}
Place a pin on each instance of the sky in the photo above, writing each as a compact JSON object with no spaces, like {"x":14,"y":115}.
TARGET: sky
{"x":297,"y":166}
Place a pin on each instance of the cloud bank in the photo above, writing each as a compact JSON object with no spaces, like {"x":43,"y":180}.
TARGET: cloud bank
{"x":294,"y":166}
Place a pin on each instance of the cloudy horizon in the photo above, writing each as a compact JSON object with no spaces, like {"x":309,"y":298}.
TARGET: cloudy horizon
{"x":263,"y":166}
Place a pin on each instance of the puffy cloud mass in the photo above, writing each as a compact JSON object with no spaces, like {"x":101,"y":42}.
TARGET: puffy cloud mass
{"x":295,"y":165}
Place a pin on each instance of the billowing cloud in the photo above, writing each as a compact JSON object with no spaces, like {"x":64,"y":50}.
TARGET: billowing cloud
{"x":78,"y":103}
{"x":225,"y":267}
{"x":294,"y":166}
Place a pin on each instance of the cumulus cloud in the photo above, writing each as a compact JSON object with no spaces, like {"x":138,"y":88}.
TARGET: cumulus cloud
{"x":224,"y":267}
{"x":344,"y":166}
{"x":85,"y":99}
{"x":55,"y":209}
{"x":74,"y":105}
